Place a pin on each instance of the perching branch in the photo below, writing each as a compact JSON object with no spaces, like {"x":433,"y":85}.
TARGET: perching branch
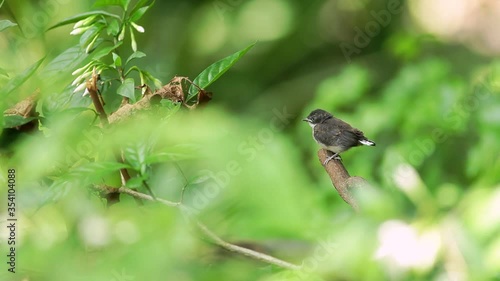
{"x":94,"y":95}
{"x":112,"y":198}
{"x":341,"y":180}
{"x":203,"y":228}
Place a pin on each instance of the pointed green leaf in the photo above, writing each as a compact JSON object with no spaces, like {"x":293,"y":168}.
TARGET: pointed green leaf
{"x":141,"y":4}
{"x":89,"y":35}
{"x":113,"y":28}
{"x":215,"y":71}
{"x":148,"y":77}
{"x":138,"y":13}
{"x":135,"y":55}
{"x":21,"y":78}
{"x":127,"y":89}
{"x":11,"y":121}
{"x":96,"y":169}
{"x":105,"y":51}
{"x":67,"y":61}
{"x":136,"y":155}
{"x":4,"y":24}
{"x":81,"y":16}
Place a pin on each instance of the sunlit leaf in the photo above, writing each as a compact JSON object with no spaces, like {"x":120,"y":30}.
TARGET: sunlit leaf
{"x":81,"y":16}
{"x":214,"y":71}
{"x":4,"y":24}
{"x":127,"y":89}
{"x":21,"y":78}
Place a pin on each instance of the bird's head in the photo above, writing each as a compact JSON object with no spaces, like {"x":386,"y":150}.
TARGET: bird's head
{"x":317,"y":116}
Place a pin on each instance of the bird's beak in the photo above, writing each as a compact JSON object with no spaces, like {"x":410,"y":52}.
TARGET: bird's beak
{"x":307,"y":120}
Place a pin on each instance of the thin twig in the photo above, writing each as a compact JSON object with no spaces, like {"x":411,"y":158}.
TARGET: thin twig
{"x":94,"y":95}
{"x":244,"y":251}
{"x":214,"y":237}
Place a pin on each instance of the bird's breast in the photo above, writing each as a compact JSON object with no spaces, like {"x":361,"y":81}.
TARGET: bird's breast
{"x":332,"y":148}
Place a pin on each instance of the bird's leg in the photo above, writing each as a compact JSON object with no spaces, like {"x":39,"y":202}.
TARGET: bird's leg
{"x":334,"y":156}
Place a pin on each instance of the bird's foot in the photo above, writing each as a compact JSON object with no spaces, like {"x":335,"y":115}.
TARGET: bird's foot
{"x":335,"y":156}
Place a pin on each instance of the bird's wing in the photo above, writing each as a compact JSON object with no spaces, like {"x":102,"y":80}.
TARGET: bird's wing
{"x":348,"y":135}
{"x":326,"y":134}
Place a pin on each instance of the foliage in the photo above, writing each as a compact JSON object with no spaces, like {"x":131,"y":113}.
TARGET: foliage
{"x":244,"y":164}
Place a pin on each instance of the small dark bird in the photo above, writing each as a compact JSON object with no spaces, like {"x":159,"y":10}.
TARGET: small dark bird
{"x":334,"y":134}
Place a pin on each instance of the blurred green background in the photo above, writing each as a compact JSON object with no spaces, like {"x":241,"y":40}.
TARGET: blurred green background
{"x":420,"y":78}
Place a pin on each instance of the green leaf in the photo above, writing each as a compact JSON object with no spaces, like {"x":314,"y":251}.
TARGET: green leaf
{"x":113,"y":27}
{"x":135,"y":55}
{"x":140,"y":4}
{"x":65,"y":62}
{"x":105,"y":51}
{"x":81,"y":16}
{"x":96,"y":169}
{"x":117,"y":61}
{"x":11,"y":121}
{"x":199,"y":179}
{"x":133,"y":43}
{"x":21,"y":78}
{"x":73,"y":111}
{"x":4,"y":24}
{"x":215,"y":71}
{"x":136,"y":157}
{"x":135,"y":182}
{"x":127,"y":89}
{"x":150,"y":77}
{"x":175,"y":153}
{"x":120,"y":3}
{"x":138,"y":13}
{"x":89,"y":35}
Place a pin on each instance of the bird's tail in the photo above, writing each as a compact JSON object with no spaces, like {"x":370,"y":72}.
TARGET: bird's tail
{"x":367,"y":142}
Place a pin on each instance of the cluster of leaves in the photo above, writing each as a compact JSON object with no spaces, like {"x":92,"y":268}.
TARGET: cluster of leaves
{"x":101,"y":34}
